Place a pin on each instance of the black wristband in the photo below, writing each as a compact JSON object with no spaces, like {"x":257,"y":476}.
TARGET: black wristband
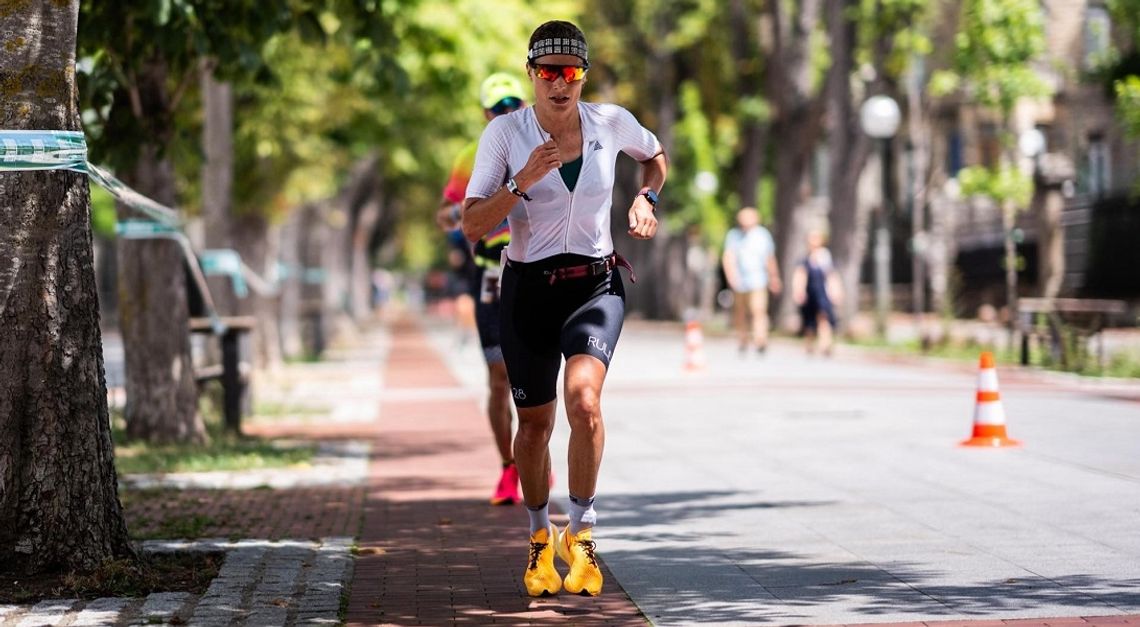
{"x":513,"y":188}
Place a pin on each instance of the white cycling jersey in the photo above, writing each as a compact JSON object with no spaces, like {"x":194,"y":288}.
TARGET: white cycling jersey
{"x":556,"y":220}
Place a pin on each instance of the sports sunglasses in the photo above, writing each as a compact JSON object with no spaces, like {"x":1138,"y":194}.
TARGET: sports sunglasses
{"x":569,"y":73}
{"x":506,"y":105}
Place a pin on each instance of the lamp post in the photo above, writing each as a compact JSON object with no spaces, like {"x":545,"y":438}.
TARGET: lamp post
{"x":879,"y":116}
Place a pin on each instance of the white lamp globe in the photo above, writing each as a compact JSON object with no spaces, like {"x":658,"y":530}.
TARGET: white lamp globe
{"x":880,"y":117}
{"x":1031,"y":143}
{"x":706,"y":182}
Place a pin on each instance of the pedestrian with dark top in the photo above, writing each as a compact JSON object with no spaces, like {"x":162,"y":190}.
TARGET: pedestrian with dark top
{"x":816,"y":288}
{"x":751,"y":270}
{"x":561,"y":293}
{"x":499,"y":94}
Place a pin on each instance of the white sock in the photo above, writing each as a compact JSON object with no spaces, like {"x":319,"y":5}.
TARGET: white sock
{"x":539,"y":518}
{"x":582,"y":514}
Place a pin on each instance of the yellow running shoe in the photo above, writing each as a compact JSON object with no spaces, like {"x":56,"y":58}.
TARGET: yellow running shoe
{"x":540,"y":577}
{"x":585,"y":577}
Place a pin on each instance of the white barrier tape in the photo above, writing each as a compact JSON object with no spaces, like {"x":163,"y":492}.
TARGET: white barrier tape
{"x":22,"y":151}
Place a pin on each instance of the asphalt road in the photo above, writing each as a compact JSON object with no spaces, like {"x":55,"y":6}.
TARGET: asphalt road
{"x":787,"y":489}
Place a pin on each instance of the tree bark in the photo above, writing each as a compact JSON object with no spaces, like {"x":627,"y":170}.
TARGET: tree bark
{"x":1050,"y":175}
{"x":749,"y":164}
{"x":849,"y":148}
{"x":796,"y":128}
{"x":162,"y":394}
{"x":59,"y":504}
{"x":250,"y":236}
{"x":218,"y":178}
{"x":360,"y":276}
{"x":289,"y":310}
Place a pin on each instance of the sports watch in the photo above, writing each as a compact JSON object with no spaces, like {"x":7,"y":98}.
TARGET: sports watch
{"x":651,"y":196}
{"x":513,"y":188}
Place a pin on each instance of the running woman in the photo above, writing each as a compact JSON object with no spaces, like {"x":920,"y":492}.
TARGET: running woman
{"x":561,"y":293}
{"x":499,"y":94}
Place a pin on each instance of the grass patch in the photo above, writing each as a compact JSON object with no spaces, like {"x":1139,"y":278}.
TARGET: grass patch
{"x":224,"y":452}
{"x":274,"y":409}
{"x":177,"y":572}
{"x":1123,"y":364}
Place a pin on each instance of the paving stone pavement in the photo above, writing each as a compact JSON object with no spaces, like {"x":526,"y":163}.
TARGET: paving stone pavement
{"x":432,"y":551}
{"x":260,"y":584}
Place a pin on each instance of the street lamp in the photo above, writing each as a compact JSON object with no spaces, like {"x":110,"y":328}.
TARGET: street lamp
{"x":879,"y":117}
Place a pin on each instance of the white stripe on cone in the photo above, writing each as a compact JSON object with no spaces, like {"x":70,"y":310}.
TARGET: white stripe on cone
{"x":989,"y":413}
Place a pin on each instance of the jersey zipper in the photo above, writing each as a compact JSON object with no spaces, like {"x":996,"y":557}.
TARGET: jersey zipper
{"x":570,"y":208}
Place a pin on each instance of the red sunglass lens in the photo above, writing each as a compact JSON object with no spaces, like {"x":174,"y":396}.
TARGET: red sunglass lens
{"x":569,"y":73}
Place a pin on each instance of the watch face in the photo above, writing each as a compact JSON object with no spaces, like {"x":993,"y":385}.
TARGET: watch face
{"x":652,"y":196}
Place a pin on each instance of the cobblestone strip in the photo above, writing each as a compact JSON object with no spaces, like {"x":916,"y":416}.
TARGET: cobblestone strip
{"x":269,"y":603}
{"x":223,"y":601}
{"x":100,"y":612}
{"x":47,"y":612}
{"x":260,"y":584}
{"x":160,"y":607}
{"x":325,"y":582}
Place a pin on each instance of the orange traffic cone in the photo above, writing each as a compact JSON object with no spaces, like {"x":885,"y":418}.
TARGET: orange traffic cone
{"x":694,"y":346}
{"x":989,"y":416}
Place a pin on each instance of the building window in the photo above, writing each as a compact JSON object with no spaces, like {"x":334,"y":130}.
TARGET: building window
{"x":1099,"y":166}
{"x":954,"y":153}
{"x":1098,"y":32}
{"x":991,"y":147}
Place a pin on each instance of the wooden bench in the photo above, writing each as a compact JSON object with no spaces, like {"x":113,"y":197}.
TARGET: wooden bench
{"x":1085,"y":317}
{"x":235,"y":382}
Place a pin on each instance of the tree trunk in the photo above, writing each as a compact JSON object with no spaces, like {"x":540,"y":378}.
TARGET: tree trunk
{"x":218,"y":178}
{"x":162,"y":395}
{"x":749,"y":164}
{"x":798,"y":115}
{"x":1051,"y":173}
{"x":1050,"y":242}
{"x":251,"y":238}
{"x":59,"y":504}
{"x":1008,"y":220}
{"x":918,"y":130}
{"x":360,"y":276}
{"x":849,"y":148}
{"x":337,"y":256}
{"x":289,"y":310}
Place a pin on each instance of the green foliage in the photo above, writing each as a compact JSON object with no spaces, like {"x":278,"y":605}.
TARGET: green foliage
{"x":644,"y":49}
{"x":996,"y":44}
{"x":1126,"y":74}
{"x":120,"y":43}
{"x":1126,"y":18}
{"x":1002,"y":184}
{"x":1128,"y":104}
{"x":899,"y":23}
{"x":102,"y":212}
{"x":698,"y":152}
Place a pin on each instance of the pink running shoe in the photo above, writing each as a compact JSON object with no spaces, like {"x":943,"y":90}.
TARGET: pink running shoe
{"x":507,"y":492}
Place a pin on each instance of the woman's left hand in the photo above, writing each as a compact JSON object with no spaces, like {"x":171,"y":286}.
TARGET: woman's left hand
{"x":642,"y":222}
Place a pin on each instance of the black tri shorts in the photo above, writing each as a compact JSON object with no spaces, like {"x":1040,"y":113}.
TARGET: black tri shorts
{"x":542,"y":322}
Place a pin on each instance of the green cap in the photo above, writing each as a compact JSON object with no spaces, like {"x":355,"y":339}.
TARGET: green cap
{"x":498,"y":86}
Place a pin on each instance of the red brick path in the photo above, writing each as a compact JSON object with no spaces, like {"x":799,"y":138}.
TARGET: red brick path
{"x":275,"y":514}
{"x":433,"y":552}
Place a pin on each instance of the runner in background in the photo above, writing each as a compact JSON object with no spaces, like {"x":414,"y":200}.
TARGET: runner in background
{"x":500,"y":93}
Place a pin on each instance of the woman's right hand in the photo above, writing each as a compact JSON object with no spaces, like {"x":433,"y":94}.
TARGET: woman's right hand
{"x":542,"y":160}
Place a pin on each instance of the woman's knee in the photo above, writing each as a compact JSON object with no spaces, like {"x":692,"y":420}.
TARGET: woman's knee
{"x":584,"y":409}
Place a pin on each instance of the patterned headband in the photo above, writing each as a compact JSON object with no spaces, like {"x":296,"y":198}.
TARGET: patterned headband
{"x":544,"y":47}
